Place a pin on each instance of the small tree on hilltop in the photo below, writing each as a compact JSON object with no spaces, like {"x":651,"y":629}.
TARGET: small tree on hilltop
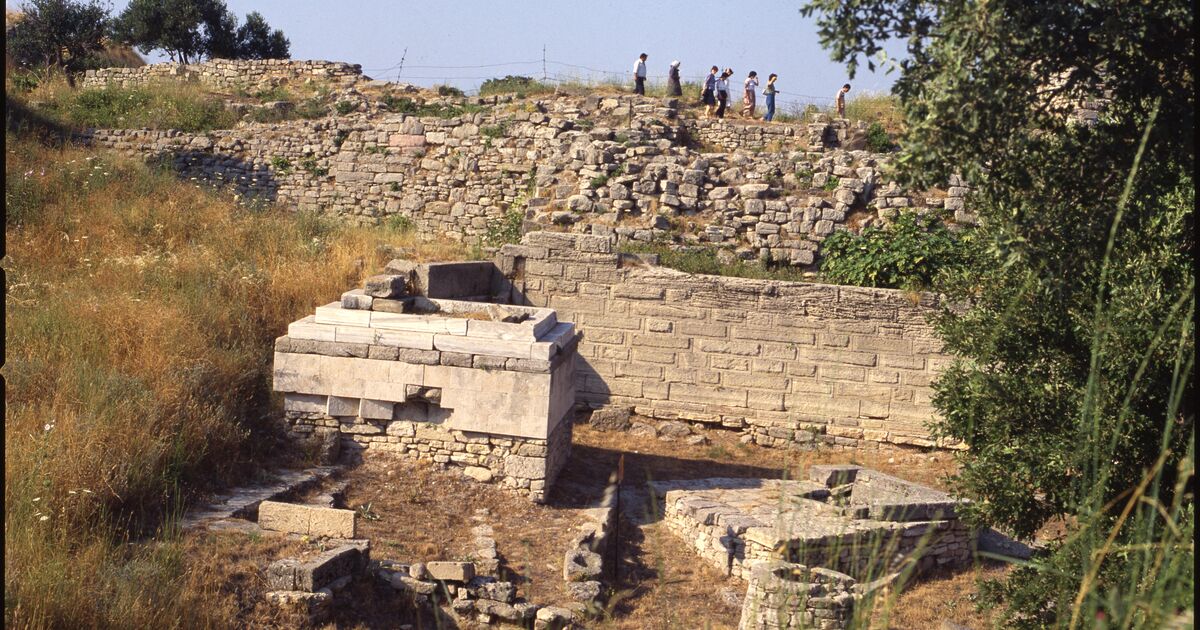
{"x":190,"y":29}
{"x":256,"y":40}
{"x":59,"y":34}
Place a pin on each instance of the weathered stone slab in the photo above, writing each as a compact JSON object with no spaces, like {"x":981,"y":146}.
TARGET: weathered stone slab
{"x":306,"y":520}
{"x":333,"y":313}
{"x":451,"y":571}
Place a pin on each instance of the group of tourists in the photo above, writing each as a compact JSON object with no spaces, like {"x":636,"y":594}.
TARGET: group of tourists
{"x":715,"y":92}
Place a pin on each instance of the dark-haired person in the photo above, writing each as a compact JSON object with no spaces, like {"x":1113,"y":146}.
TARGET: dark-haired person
{"x":723,"y":91}
{"x":749,"y":88}
{"x":841,"y":101}
{"x":708,"y":94}
{"x":770,"y":92}
{"x":674,"y":87}
{"x":639,"y":75}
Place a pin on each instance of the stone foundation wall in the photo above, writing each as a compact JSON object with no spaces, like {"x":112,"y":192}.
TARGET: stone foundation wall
{"x":787,"y":362}
{"x":526,"y":464}
{"x":228,"y":73}
{"x":784,"y":596}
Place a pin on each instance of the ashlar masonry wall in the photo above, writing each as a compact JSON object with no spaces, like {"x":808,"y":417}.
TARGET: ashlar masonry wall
{"x":787,"y":362}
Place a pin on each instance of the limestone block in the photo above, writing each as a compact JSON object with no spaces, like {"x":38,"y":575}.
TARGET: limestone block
{"x":304,"y":403}
{"x":306,"y":519}
{"x":299,"y":373}
{"x":354,"y":334}
{"x":451,"y":571}
{"x":525,"y":467}
{"x":308,"y":328}
{"x":386,"y":286}
{"x":340,"y":406}
{"x":517,"y":349}
{"x":418,"y":323}
{"x":404,"y":339}
{"x":333,"y":313}
{"x":376,"y":409}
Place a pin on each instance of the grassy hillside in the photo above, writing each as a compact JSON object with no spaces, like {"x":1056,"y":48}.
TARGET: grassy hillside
{"x":140,"y":316}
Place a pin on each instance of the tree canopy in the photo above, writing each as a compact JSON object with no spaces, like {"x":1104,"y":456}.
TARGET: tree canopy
{"x":58,"y":34}
{"x":190,"y":29}
{"x":1073,"y":385}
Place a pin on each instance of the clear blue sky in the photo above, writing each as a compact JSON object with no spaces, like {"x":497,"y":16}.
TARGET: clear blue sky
{"x":767,"y":36}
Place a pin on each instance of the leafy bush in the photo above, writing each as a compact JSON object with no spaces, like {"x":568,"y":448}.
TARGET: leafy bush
{"x":494,"y":131}
{"x":281,"y":165}
{"x":345,"y":107}
{"x":508,"y":228}
{"x":513,"y":83}
{"x":878,"y":139}
{"x":399,"y":224}
{"x":449,"y":90}
{"x":908,"y":254}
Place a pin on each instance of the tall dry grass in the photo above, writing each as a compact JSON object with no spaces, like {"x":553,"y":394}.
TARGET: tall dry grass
{"x":140,"y":318}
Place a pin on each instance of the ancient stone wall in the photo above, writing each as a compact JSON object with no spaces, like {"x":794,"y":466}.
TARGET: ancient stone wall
{"x":786,"y":362}
{"x":456,"y":176}
{"x":228,"y":73}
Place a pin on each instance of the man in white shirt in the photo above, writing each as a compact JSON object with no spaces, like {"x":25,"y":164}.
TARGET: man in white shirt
{"x":639,"y":75}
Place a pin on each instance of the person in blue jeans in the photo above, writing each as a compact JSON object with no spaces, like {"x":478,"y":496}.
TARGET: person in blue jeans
{"x":769,"y":92}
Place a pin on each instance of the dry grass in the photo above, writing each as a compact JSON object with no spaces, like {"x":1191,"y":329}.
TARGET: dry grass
{"x":943,"y":596}
{"x":139,"y":323}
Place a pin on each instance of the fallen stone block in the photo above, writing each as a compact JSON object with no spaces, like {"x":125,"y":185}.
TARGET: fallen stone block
{"x":291,"y":574}
{"x":306,"y":519}
{"x":386,"y":286}
{"x":451,"y":571}
{"x":581,"y":565}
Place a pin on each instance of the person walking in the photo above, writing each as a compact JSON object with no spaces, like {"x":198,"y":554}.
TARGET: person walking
{"x":639,"y":75}
{"x":723,"y":91}
{"x":841,"y":101}
{"x":708,"y":94}
{"x":674,"y":88}
{"x":749,"y":89}
{"x":770,"y":92}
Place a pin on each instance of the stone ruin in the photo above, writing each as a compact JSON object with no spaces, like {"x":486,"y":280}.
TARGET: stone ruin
{"x":810,"y":549}
{"x":400,"y":366}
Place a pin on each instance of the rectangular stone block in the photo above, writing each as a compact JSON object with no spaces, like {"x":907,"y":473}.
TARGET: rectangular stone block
{"x":333,"y":313}
{"x":418,"y":323}
{"x":341,"y":406}
{"x":308,"y":328}
{"x":451,"y":571}
{"x":376,"y":409}
{"x":404,"y":339}
{"x":495,"y":347}
{"x":306,"y":519}
{"x":304,"y":403}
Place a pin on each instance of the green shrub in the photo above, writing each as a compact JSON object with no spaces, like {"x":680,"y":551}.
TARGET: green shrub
{"x":449,"y":90}
{"x":908,"y":254}
{"x":310,"y":164}
{"x":831,"y":184}
{"x":878,"y":139}
{"x":506,"y":229}
{"x":400,"y":224}
{"x":281,"y":165}
{"x":345,"y":107}
{"x":399,"y":104}
{"x":276,"y":93}
{"x":494,"y":131}
{"x":514,"y":84}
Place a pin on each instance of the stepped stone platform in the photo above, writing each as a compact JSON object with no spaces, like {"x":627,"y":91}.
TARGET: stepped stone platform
{"x":480,"y":386}
{"x":856,"y":521}
{"x":810,"y":549}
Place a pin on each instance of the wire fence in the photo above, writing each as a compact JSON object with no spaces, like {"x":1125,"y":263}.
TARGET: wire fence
{"x":566,"y":73}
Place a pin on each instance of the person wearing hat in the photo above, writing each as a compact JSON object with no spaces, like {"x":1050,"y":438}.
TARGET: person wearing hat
{"x":674,"y":88}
